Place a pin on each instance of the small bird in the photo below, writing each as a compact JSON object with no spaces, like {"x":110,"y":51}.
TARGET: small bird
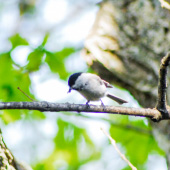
{"x":92,"y":87}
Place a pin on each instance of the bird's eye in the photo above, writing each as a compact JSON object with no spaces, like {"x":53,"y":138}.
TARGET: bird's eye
{"x":85,"y":84}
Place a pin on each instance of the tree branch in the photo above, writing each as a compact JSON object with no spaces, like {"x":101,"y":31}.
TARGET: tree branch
{"x":56,"y":107}
{"x":162,"y":86}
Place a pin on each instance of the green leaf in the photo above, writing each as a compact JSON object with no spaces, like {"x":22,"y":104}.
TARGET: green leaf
{"x":6,"y":69}
{"x":37,"y":115}
{"x":17,"y":40}
{"x":9,"y":116}
{"x":40,"y":166}
{"x":7,"y":81}
{"x":35,"y":60}
{"x":45,"y":39}
{"x":65,"y":52}
{"x":56,"y":61}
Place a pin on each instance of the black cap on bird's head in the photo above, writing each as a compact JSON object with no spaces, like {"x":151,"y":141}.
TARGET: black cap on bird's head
{"x":72,"y":79}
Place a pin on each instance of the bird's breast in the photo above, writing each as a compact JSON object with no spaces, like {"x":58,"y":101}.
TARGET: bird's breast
{"x":93,"y":94}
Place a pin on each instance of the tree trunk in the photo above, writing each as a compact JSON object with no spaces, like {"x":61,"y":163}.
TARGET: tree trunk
{"x":125,"y":47}
{"x":7,"y":160}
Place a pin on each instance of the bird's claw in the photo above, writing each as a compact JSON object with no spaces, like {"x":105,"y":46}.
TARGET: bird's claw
{"x":102,"y":104}
{"x":87,"y":104}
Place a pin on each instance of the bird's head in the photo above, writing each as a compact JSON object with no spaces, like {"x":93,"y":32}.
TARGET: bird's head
{"x":72,"y":79}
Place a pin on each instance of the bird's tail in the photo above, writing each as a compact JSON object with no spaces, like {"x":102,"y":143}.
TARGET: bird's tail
{"x":117,"y":99}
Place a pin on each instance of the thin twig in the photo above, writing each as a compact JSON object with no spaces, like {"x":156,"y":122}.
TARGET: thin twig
{"x":113,"y":142}
{"x":25,"y":94}
{"x":162,"y":85}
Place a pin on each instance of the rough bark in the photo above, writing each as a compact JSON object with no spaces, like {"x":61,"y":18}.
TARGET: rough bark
{"x":57,"y":107}
{"x":7,"y":160}
{"x":125,"y":47}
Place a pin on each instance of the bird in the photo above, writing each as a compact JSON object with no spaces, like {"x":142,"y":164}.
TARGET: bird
{"x":92,"y":87}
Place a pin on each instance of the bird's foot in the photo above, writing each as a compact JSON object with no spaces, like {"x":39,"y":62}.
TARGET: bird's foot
{"x":87,"y":104}
{"x":102,"y":104}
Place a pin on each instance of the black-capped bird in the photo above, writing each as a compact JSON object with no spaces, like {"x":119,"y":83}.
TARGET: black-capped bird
{"x":92,"y":87}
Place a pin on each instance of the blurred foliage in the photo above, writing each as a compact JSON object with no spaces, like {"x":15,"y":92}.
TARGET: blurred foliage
{"x":14,"y":76}
{"x":26,"y":6}
{"x":11,"y":78}
{"x":35,"y":60}
{"x":73,"y":148}
{"x":59,"y":58}
{"x":55,"y":60}
{"x":137,"y":144}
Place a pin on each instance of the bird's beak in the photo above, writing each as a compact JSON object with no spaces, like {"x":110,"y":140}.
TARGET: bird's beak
{"x":69,"y":90}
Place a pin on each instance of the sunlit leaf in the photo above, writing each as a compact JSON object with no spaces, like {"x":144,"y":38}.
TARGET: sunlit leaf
{"x":45,"y":39}
{"x":17,"y":40}
{"x":37,"y":115}
{"x":9,"y":116}
{"x":56,"y":61}
{"x":35,"y":59}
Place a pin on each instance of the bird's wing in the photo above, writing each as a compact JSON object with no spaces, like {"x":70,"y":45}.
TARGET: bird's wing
{"x":107,"y":84}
